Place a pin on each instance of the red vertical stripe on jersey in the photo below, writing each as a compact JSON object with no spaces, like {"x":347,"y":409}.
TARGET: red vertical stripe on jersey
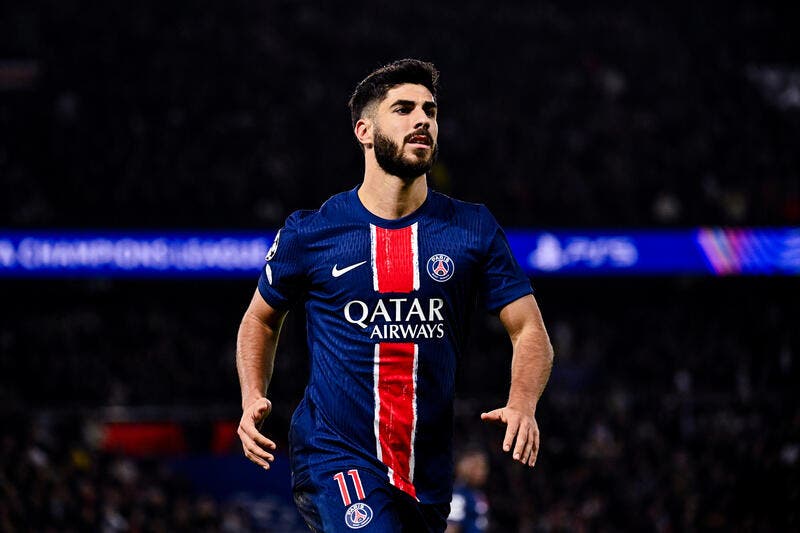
{"x":396,"y":416}
{"x":394,"y":259}
{"x":395,"y":268}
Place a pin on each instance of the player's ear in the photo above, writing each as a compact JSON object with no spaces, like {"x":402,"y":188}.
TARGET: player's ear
{"x":363,"y":131}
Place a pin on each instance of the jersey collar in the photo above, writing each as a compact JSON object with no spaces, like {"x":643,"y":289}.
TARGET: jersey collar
{"x":362,"y":213}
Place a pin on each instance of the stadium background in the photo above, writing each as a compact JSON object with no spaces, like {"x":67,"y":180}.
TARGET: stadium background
{"x":673,"y":401}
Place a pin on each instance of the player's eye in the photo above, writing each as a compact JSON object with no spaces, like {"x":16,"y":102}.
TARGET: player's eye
{"x":403,"y":110}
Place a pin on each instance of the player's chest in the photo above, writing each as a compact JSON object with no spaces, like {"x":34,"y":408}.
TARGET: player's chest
{"x":422,"y":258}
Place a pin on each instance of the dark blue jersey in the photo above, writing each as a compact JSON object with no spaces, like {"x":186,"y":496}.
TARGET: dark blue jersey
{"x":388,"y":305}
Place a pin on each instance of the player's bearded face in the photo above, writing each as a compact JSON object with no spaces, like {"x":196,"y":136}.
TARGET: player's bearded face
{"x":392,"y":158}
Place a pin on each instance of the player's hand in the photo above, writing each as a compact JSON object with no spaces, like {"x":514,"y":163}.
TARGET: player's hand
{"x":256,"y":446}
{"x":520,"y":427}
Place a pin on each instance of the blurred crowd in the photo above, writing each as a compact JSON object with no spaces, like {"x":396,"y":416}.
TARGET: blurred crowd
{"x":49,"y":483}
{"x":52,"y":479}
{"x":671,"y":406}
{"x":233,"y":114}
{"x":669,"y":410}
{"x":100,"y":344}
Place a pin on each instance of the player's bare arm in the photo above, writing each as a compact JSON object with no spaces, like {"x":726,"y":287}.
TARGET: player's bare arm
{"x":530,"y":370}
{"x":255,"y":356}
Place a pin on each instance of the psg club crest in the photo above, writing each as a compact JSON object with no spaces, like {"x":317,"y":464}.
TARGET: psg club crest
{"x":440,"y":267}
{"x":358,"y":515}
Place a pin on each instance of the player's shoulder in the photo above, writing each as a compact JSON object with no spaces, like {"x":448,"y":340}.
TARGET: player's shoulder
{"x":306,"y":221}
{"x":299,"y":219}
{"x":461,"y":210}
{"x":337,"y":205}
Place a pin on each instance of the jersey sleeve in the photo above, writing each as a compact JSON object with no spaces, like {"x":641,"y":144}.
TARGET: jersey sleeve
{"x":283,"y":278}
{"x":503,"y":279}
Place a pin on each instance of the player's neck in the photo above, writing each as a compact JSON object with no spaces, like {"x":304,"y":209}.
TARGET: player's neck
{"x":390,"y":197}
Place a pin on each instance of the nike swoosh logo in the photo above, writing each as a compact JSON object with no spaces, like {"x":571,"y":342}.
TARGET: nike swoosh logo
{"x":336,"y":272}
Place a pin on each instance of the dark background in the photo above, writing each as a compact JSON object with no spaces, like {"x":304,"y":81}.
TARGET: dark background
{"x":673,"y":402}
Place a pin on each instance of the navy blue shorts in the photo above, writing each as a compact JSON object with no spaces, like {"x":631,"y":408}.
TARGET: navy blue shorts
{"x":356,"y":499}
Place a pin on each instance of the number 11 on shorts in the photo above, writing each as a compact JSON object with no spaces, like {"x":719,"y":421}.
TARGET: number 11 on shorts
{"x":345,"y":492}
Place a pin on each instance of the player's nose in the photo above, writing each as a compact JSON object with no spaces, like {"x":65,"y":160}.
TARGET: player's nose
{"x":421,"y":119}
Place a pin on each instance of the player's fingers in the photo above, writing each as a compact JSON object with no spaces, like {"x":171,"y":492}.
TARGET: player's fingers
{"x":250,"y":423}
{"x":493,"y":416}
{"x":262,"y":441}
{"x":535,"y":449}
{"x":261,"y":454}
{"x":254,"y":452}
{"x":260,"y":461}
{"x":511,"y":432}
{"x":258,"y":456}
{"x":248,"y":429}
{"x":529,"y":444}
{"x":252,"y":438}
{"x":522,"y":441}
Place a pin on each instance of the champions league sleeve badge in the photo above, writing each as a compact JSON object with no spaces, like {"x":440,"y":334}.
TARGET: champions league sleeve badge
{"x":440,"y":267}
{"x":358,"y":515}
{"x":271,"y":254}
{"x":274,"y":247}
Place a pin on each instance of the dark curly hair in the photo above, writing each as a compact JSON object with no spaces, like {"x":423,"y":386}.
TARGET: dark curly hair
{"x":375,"y":86}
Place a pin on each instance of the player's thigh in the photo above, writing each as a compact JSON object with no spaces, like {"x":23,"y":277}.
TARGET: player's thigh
{"x":348,"y":499}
